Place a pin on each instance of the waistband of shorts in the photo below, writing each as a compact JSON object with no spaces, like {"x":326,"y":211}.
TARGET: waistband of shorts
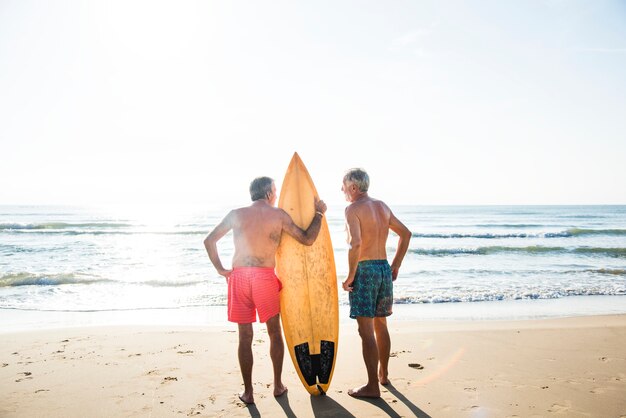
{"x":373,"y":263}
{"x":252,"y":268}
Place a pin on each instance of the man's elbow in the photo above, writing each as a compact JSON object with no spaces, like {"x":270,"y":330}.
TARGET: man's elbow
{"x":308,"y":241}
{"x":207,"y":242}
{"x":310,"y":237}
{"x":355,"y":245}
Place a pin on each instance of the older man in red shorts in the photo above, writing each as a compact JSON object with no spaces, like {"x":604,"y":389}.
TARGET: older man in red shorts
{"x":252,"y":284}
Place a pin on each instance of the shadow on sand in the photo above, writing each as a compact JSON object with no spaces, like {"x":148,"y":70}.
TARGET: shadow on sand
{"x":253,"y":410}
{"x":384,"y":406}
{"x":283,"y":401}
{"x":418,"y":412}
{"x":325,"y":406}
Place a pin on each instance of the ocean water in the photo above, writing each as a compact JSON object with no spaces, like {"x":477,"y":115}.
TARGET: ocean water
{"x":80,"y":260}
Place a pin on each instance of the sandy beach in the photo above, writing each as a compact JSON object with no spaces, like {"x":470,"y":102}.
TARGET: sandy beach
{"x":561,"y":367}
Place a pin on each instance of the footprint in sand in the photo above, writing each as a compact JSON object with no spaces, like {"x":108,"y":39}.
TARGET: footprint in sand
{"x":27,"y":376}
{"x":416,"y":366}
{"x":396,"y":353}
{"x":470,"y":408}
{"x":559,"y":408}
{"x":42,"y":390}
{"x":196,"y":410}
{"x":5,"y":364}
{"x":185,"y":352}
{"x":169,"y":379}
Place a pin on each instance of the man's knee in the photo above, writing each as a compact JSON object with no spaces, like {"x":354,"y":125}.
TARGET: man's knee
{"x":380,"y":324}
{"x":273,"y":328}
{"x":245,"y":334}
{"x":366,"y":328}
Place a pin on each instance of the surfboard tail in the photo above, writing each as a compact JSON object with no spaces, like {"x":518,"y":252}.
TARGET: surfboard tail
{"x":316,"y":369}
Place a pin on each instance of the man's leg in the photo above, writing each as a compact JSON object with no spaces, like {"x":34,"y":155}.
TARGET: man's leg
{"x":383,"y":343}
{"x":245,"y":361}
{"x":370,"y":355}
{"x":277,"y":352}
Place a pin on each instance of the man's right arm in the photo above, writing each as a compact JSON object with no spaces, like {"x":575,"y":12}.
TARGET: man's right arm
{"x":210,"y":243}
{"x":354,"y":251}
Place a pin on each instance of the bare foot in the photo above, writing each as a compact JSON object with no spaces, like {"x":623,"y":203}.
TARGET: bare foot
{"x":246,"y":398}
{"x":365,"y":392}
{"x":280,"y":390}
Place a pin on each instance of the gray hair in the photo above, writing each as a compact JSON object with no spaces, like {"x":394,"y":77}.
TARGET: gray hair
{"x":260,"y":188}
{"x":359,"y":177}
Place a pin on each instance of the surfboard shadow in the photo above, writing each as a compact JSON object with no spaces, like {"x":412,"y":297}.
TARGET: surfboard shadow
{"x":325,"y":406}
{"x":418,"y":412}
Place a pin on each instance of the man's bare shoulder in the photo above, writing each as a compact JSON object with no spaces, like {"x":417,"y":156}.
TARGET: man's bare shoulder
{"x":242,"y":213}
{"x":381,"y":204}
{"x":237,"y":212}
{"x":254,"y":211}
{"x":363,"y":204}
{"x":352,"y":209}
{"x":279,"y":212}
{"x":377,"y":203}
{"x":276,"y":214}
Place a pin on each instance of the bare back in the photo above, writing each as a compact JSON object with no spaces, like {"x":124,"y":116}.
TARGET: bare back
{"x":256,"y":234}
{"x":373,"y":218}
{"x":257,"y":230}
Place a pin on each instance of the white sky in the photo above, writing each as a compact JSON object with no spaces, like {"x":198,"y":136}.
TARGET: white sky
{"x":484,"y":102}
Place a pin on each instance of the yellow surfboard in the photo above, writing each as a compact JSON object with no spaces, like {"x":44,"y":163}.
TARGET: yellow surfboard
{"x":308,"y":301}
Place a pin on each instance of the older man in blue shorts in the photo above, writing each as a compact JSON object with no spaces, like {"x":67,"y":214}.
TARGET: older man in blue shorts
{"x":370,"y":277}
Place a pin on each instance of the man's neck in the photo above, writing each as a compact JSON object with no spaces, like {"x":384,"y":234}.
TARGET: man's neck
{"x":361,"y":196}
{"x":261,"y":202}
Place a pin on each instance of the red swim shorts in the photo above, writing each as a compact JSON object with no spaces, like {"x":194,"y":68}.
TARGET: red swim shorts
{"x":252,"y":290}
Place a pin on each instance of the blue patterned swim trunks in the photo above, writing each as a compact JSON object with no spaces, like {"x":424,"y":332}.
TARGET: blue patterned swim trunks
{"x":372,"y":289}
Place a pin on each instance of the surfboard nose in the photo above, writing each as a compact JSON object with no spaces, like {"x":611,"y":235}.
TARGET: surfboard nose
{"x":295,"y":159}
